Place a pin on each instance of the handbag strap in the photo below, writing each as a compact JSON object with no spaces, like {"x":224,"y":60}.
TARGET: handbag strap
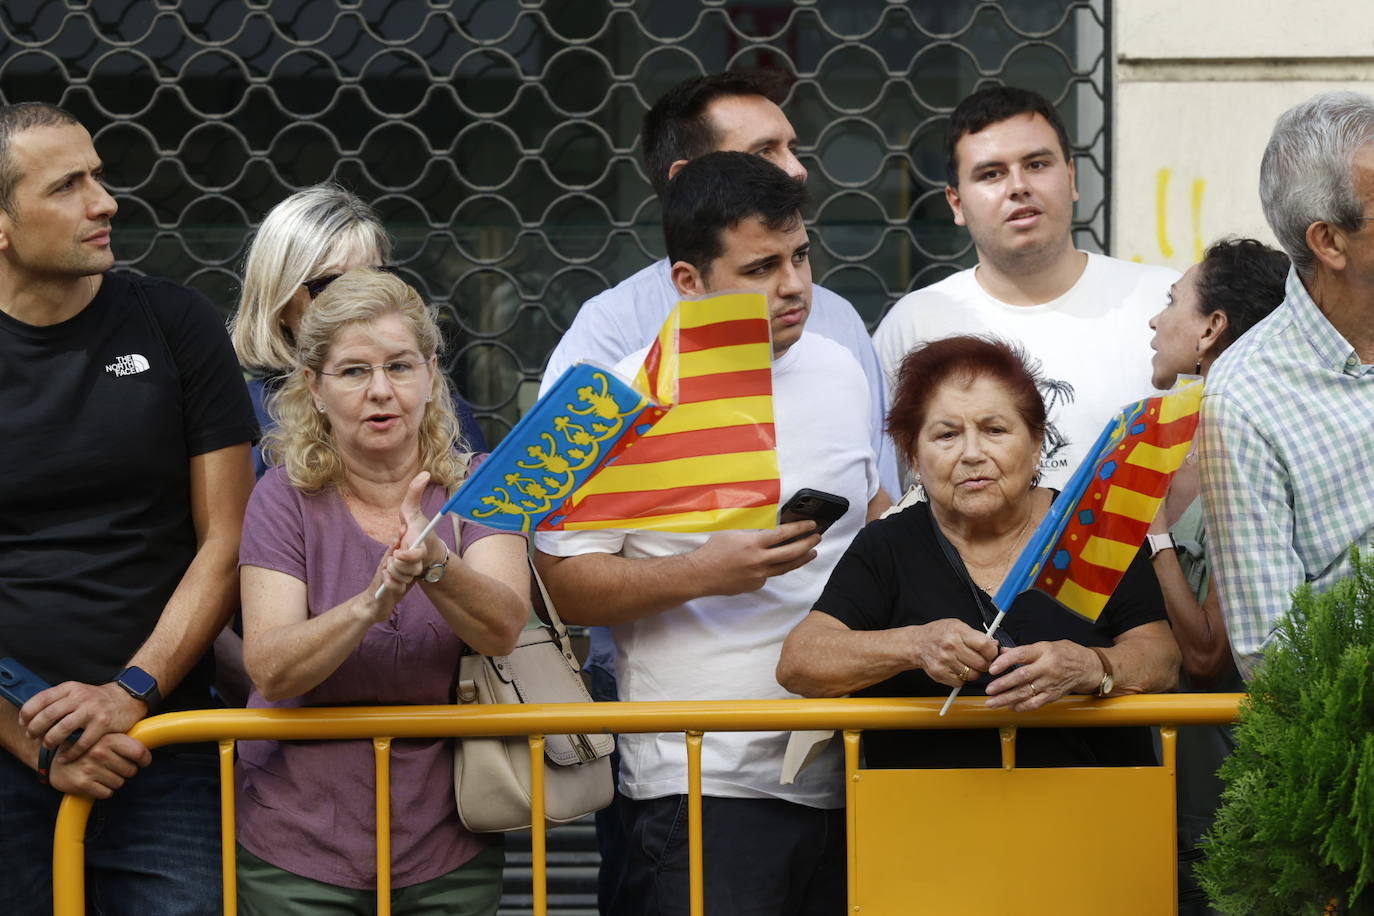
{"x":540,"y":599}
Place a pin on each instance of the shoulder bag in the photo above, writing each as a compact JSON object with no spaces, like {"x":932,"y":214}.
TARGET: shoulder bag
{"x":491,"y":776}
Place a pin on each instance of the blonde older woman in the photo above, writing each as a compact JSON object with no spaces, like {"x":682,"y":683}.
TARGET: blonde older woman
{"x":303,"y":243}
{"x":364,"y":448}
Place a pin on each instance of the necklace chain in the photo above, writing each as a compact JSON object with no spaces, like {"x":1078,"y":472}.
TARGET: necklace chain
{"x":1003,"y":565}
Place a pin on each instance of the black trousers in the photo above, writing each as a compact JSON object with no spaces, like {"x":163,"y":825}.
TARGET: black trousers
{"x":761,"y":857}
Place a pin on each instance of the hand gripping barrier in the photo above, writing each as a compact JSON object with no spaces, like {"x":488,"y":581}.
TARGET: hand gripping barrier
{"x":907,"y":852}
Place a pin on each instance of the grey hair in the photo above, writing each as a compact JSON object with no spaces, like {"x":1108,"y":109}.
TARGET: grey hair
{"x":1305,"y":174}
{"x":314,"y":231}
{"x":14,"y":120}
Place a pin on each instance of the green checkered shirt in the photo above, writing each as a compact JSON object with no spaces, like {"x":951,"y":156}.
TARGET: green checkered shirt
{"x":1287,"y":454}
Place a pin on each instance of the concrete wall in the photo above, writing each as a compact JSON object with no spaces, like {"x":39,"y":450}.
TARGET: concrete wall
{"x":1198,"y":86}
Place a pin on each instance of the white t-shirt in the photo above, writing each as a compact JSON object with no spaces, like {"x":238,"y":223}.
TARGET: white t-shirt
{"x":1092,"y":343}
{"x":727,"y":647}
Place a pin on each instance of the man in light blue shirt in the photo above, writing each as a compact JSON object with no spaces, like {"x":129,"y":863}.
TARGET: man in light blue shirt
{"x":1287,"y":449}
{"x":729,"y":112}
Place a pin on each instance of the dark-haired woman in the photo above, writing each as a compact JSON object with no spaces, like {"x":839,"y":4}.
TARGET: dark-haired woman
{"x":905,"y":610}
{"x":1237,"y":282}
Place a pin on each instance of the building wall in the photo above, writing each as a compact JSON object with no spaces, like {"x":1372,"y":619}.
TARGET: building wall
{"x":1198,"y":87}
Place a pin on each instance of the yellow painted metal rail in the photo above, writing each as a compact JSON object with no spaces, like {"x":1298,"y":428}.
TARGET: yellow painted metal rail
{"x":383,"y":724}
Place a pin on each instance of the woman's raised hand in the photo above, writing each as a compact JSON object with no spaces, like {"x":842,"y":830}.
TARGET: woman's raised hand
{"x":398,"y":571}
{"x":950,"y":651}
{"x":414,"y":521}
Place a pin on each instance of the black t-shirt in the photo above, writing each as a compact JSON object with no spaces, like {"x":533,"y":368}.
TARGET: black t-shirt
{"x":103,"y":413}
{"x":895,"y":574}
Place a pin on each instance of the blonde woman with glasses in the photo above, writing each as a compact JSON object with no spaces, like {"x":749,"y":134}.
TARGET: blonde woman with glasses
{"x":364,"y":449}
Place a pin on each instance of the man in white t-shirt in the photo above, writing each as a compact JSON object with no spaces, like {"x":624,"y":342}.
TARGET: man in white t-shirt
{"x":1084,"y":317}
{"x":699,"y":616}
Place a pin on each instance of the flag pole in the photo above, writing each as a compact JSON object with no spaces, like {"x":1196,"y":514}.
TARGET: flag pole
{"x":377,"y":596}
{"x":992,"y":628}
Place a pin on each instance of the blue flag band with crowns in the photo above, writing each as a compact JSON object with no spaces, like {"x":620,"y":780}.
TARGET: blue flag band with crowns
{"x":587,"y":418}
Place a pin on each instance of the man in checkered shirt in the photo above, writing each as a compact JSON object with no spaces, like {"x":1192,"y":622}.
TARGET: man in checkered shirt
{"x":1287,"y":447}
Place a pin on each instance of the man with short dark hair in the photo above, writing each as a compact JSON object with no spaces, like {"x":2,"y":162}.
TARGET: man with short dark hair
{"x":1287,"y":442}
{"x":123,"y":483}
{"x":721,"y":111}
{"x":699,"y":616}
{"x":1083,"y":316}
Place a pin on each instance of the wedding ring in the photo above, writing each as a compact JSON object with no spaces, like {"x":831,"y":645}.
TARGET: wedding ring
{"x":1034,"y":689}
{"x":964,"y":675}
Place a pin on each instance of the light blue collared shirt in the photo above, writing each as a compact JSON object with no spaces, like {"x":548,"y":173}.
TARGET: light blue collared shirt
{"x":1287,"y":463}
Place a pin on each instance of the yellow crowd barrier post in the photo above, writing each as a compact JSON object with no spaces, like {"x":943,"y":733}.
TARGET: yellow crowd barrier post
{"x":1168,"y":740}
{"x":851,"y":781}
{"x":381,"y":748}
{"x":538,"y":838}
{"x":696,"y":877}
{"x":851,"y":715}
{"x":227,"y":847}
{"x":69,"y":856}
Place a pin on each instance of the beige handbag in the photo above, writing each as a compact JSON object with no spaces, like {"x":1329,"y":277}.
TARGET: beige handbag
{"x":491,"y":776}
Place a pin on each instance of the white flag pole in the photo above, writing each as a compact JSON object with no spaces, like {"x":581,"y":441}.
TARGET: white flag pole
{"x":992,"y":628}
{"x":418,"y":541}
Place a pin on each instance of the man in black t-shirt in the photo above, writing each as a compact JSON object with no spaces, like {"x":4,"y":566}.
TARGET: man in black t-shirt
{"x":123,"y":482}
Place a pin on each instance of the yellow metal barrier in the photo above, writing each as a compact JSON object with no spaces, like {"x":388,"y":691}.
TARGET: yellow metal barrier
{"x":849,"y":715}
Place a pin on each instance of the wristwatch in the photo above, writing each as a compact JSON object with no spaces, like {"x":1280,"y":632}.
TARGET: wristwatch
{"x":1108,"y":683}
{"x":436,"y":572}
{"x":1162,"y":541}
{"x":141,"y":685}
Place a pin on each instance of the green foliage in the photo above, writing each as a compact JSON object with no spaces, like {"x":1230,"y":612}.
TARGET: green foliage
{"x":1296,"y":824}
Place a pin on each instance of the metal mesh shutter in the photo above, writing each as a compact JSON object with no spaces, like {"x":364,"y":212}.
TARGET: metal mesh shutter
{"x":498,"y":138}
{"x":498,"y":141}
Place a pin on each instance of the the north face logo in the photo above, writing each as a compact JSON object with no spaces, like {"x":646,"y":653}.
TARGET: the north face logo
{"x":132,"y":364}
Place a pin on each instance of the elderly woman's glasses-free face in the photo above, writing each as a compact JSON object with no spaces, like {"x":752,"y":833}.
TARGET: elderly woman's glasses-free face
{"x":353,"y":378}
{"x":314,"y":287}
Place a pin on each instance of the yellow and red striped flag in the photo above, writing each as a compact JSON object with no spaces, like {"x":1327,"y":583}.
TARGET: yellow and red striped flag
{"x":1100,"y":537}
{"x":710,"y":464}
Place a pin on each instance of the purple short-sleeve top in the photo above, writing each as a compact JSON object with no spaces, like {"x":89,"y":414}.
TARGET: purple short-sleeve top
{"x":309,"y":806}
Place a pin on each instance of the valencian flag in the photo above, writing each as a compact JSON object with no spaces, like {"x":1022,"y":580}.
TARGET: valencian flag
{"x":1082,"y":546}
{"x":690,"y":448}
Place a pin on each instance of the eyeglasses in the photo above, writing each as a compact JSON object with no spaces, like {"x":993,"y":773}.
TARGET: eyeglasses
{"x":314,"y":287}
{"x":352,"y":378}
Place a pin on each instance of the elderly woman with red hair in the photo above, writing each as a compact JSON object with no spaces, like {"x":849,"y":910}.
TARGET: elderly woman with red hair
{"x":906,"y":610}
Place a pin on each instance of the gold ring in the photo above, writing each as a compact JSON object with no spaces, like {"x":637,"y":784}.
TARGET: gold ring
{"x":1034,"y":689}
{"x":963,"y":675}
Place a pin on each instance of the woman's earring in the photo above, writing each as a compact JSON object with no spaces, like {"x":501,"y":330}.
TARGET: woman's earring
{"x":320,"y":408}
{"x":920,"y":489}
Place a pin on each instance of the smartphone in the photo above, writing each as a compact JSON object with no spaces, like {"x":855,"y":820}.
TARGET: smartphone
{"x":17,"y":683}
{"x":825,"y":509}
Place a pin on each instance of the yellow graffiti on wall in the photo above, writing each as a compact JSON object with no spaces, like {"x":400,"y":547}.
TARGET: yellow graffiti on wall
{"x":1166,"y":248}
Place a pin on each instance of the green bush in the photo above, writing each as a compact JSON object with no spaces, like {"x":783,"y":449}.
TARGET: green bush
{"x":1295,"y":829}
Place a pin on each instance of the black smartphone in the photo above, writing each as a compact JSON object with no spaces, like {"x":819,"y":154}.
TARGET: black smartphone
{"x":825,"y":509}
{"x":17,"y":683}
